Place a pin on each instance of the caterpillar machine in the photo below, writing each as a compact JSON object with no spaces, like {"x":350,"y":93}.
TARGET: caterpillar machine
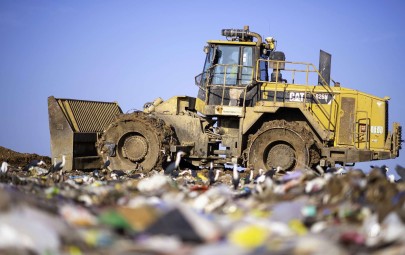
{"x":253,"y":108}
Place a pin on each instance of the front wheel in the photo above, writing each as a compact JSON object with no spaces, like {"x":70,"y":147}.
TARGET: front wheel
{"x":136,"y":142}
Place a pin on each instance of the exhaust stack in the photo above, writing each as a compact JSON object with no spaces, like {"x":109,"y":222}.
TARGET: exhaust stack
{"x":243,"y":35}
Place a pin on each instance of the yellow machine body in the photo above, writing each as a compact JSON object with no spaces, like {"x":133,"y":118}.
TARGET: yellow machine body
{"x":253,"y":108}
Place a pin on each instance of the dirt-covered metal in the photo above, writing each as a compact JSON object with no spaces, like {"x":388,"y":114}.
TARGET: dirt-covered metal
{"x":284,"y":144}
{"x":136,"y":141}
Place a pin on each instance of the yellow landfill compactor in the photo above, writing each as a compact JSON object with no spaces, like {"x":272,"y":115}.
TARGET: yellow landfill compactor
{"x":253,"y":108}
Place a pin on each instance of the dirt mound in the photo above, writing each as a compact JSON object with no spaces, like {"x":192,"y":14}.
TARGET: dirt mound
{"x":18,"y":159}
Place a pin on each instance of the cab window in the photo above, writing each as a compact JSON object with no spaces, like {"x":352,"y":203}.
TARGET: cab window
{"x":233,"y":65}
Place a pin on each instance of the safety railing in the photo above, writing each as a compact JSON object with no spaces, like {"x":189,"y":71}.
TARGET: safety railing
{"x":228,"y":83}
{"x":306,"y":74}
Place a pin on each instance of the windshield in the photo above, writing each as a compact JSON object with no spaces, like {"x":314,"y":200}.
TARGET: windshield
{"x":231,"y":65}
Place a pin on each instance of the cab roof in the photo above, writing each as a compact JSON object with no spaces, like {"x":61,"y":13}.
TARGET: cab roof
{"x":231,"y":42}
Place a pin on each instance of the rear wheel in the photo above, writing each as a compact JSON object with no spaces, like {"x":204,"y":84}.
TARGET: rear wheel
{"x":136,"y":141}
{"x":288,"y":145}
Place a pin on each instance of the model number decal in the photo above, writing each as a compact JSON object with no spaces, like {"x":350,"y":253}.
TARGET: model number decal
{"x":324,"y":97}
{"x":376,"y":130}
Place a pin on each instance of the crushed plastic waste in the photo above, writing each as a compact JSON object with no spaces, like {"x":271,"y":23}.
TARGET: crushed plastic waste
{"x":344,"y":211}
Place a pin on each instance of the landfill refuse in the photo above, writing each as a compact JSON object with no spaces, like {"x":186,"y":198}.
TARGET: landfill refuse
{"x":104,"y":212}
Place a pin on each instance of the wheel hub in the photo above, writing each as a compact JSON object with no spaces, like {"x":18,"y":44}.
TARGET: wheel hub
{"x":281,"y":155}
{"x":135,"y":148}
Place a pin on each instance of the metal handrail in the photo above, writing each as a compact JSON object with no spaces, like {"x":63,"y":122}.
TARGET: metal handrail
{"x":306,"y":68}
{"x":210,"y":73}
{"x":367,"y":133}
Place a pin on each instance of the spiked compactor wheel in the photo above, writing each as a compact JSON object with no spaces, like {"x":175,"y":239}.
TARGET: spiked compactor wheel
{"x":136,"y":141}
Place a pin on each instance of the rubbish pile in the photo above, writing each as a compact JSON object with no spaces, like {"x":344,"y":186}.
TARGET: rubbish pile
{"x":200,"y":212}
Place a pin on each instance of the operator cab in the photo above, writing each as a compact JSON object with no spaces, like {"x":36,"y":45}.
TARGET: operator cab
{"x":230,"y":76}
{"x":228,"y":71}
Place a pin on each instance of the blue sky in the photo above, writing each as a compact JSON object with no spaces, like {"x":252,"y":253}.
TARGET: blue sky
{"x":134,"y":51}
